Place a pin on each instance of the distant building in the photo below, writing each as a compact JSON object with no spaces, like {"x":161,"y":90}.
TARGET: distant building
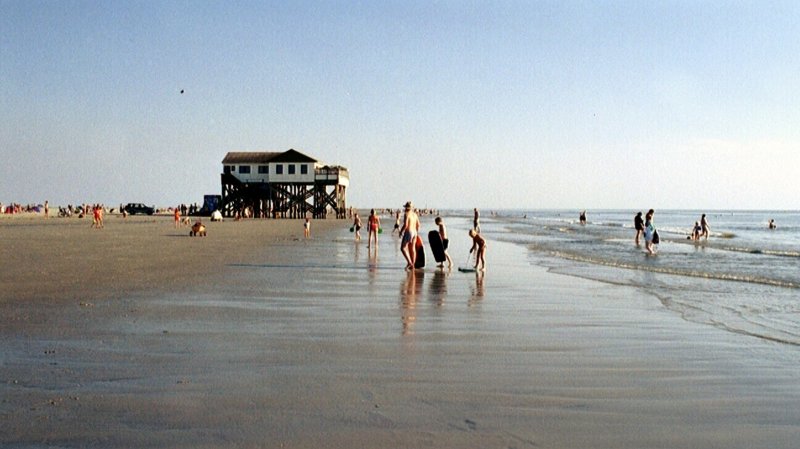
{"x":282,"y":185}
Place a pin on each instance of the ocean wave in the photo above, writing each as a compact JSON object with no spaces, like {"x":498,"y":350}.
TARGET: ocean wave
{"x":676,"y":271}
{"x":768,"y":252}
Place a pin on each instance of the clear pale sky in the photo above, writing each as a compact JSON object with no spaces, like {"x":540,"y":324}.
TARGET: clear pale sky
{"x":452,"y":104}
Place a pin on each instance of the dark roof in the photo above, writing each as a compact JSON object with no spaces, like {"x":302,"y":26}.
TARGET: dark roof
{"x":256,"y":157}
{"x":293,"y":156}
{"x":250,"y":157}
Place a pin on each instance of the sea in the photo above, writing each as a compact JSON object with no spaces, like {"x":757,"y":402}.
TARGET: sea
{"x":745,"y":278}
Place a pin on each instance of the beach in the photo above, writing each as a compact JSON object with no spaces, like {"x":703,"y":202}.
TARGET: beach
{"x":138,"y":335}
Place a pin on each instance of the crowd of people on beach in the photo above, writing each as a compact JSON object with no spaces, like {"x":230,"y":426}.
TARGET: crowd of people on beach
{"x":408,"y":228}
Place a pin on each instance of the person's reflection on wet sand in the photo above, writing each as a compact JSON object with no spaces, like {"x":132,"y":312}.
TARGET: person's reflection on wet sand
{"x":477,"y":291}
{"x":357,"y":253}
{"x":409,"y":292}
{"x":372,"y":259}
{"x":437,"y":290}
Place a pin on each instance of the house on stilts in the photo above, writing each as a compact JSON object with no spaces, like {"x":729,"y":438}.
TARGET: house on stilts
{"x":282,"y":185}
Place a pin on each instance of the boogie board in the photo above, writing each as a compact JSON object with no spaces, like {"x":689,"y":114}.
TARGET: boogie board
{"x":467,"y":268}
{"x":437,"y":247}
{"x":420,"y":261}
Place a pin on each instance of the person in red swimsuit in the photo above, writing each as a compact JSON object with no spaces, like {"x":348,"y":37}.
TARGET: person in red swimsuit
{"x":374,"y":223}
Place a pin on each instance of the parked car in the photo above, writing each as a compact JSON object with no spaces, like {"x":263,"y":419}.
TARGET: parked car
{"x":139,"y":208}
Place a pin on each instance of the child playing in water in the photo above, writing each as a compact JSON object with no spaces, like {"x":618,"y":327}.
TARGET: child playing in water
{"x":357,"y":226}
{"x":697,"y":231}
{"x":478,"y":243}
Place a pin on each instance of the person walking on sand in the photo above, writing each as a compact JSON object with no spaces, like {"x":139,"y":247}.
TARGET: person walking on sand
{"x":373,"y":223}
{"x":649,"y":232}
{"x":357,"y":226}
{"x":409,"y":231}
{"x":46,"y":209}
{"x":638,"y":224}
{"x":445,"y":241}
{"x":704,"y":229}
{"x":478,"y":245}
{"x":177,"y":216}
{"x":476,"y":221}
{"x":307,"y":228}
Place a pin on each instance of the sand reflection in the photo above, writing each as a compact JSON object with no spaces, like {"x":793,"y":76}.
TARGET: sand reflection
{"x":410,"y":292}
{"x":437,"y":290}
{"x":477,"y":291}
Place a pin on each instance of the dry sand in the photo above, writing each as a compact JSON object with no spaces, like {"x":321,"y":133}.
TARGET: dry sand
{"x":139,"y":336}
{"x":65,"y":259}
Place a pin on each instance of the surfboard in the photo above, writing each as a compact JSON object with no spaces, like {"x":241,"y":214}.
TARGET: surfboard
{"x":420,"y":261}
{"x":437,"y":247}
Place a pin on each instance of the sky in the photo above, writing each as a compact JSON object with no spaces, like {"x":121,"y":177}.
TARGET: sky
{"x":451,"y":104}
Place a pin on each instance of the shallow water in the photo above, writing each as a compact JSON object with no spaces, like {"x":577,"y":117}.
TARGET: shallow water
{"x":745,"y":278}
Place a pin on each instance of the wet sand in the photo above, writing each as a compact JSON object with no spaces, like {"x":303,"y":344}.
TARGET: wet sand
{"x":254,"y":337}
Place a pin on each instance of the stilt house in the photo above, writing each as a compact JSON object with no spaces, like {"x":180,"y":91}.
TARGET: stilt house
{"x":282,"y":185}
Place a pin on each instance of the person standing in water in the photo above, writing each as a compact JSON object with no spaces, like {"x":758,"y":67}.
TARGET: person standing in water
{"x":704,"y":229}
{"x":638,"y":224}
{"x":649,"y":232}
{"x":476,"y":221}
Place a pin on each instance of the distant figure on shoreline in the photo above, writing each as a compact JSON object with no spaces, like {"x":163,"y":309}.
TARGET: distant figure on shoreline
{"x":396,"y":223}
{"x":409,"y":232}
{"x":638,"y":224}
{"x":478,"y":245}
{"x":476,"y":221}
{"x":772,"y":224}
{"x":650,"y":232}
{"x":307,"y":228}
{"x":97,"y":217}
{"x":705,"y":230}
{"x":582,"y":218}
